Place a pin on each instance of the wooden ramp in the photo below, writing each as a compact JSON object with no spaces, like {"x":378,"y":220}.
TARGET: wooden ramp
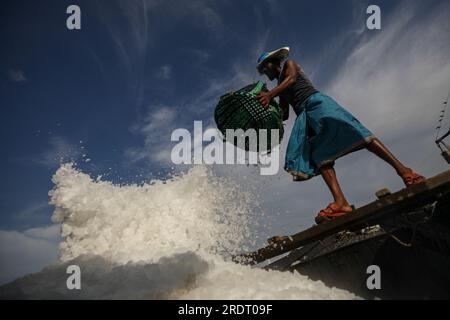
{"x":390,"y":205}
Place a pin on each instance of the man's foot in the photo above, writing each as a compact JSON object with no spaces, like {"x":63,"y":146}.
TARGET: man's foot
{"x":411,"y":178}
{"x":332,"y":212}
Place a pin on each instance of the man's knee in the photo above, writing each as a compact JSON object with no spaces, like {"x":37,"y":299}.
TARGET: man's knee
{"x":371,"y":141}
{"x":326,"y":166}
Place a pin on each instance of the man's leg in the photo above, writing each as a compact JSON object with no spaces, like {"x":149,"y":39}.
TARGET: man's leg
{"x":381,"y":151}
{"x":329,"y":175}
{"x":410,"y":178}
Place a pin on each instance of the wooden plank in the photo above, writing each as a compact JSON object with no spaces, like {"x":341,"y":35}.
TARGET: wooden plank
{"x":393,"y":204}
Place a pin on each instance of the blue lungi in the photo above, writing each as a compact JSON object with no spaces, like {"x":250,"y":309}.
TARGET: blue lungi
{"x":323,"y":132}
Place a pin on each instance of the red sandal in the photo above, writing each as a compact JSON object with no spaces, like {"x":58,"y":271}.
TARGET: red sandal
{"x":330,"y":213}
{"x":412,"y":178}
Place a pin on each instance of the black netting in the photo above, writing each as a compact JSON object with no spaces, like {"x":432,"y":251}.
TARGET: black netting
{"x":241,"y":110}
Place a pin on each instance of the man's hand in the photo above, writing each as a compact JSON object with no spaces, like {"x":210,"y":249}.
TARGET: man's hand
{"x":264,"y":98}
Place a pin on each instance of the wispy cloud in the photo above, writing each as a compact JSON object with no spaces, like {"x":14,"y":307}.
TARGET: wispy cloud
{"x":33,"y":210}
{"x":241,"y":72}
{"x":201,"y":56}
{"x":165,"y":72}
{"x":161,"y":120}
{"x":139,"y":37}
{"x":16,"y":75}
{"x":98,"y":62}
{"x":60,"y":150}
{"x":396,"y":79}
{"x":156,"y":129}
{"x":25,"y":252}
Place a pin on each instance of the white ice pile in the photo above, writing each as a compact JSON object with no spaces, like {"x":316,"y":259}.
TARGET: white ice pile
{"x":162,"y":240}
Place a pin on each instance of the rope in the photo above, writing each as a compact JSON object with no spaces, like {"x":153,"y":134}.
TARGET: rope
{"x":441,"y":118}
{"x":415,"y":225}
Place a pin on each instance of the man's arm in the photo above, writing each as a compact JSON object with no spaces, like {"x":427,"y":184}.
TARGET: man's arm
{"x":284,"y":108}
{"x":291,"y":73}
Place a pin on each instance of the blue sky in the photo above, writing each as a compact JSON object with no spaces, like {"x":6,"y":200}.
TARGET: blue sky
{"x":113,"y":91}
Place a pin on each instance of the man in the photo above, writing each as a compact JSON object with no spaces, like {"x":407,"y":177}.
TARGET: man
{"x":323,"y":131}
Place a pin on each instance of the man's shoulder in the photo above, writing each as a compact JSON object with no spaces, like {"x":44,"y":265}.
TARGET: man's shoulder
{"x":291,"y":62}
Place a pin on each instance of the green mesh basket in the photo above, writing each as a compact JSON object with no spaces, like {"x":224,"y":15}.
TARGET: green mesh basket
{"x":241,"y":110}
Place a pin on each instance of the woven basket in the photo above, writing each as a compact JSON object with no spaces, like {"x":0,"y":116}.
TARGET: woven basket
{"x":241,"y":110}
